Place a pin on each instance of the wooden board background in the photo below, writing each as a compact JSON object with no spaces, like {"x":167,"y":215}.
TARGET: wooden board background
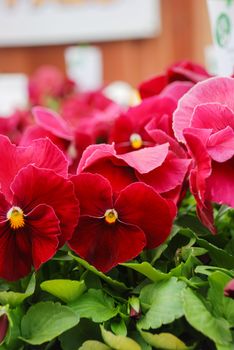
{"x":185,"y":33}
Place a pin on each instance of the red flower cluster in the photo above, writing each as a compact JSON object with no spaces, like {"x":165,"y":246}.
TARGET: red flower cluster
{"x":108,"y":180}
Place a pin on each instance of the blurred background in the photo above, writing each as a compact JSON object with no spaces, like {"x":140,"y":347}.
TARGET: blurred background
{"x":177,"y":30}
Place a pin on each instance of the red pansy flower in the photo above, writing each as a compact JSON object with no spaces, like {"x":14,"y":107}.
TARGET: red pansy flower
{"x":181,"y":71}
{"x":40,"y":215}
{"x":204,"y":121}
{"x":112,"y":229}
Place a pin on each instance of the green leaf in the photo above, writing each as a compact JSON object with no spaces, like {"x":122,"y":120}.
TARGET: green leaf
{"x":208,"y":270}
{"x":164,"y":303}
{"x":95,"y":305}
{"x":66,"y":290}
{"x":198,"y":315}
{"x":119,"y":328}
{"x":118,"y":342}
{"x":165,"y":341}
{"x":219,"y":256}
{"x":115,"y":284}
{"x":94,"y":345}
{"x":192,"y":222}
{"x":148,"y":271}
{"x":222,"y":306}
{"x":15,"y":298}
{"x":45,"y":321}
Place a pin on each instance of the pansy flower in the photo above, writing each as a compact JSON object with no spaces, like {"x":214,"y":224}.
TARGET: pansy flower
{"x":157,"y":166}
{"x":181,"y":71}
{"x":204,"y":122}
{"x":40,"y":216}
{"x":113,"y":229}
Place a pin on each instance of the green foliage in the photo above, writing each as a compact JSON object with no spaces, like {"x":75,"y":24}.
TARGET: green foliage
{"x":45,"y":321}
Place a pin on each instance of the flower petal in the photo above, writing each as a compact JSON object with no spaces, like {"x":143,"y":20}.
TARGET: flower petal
{"x":43,"y":227}
{"x":15,"y":253}
{"x":140,"y":205}
{"x":51,"y":121}
{"x":218,"y":89}
{"x":167,"y":176}
{"x":221,"y":184}
{"x":213,"y":116}
{"x":94,"y":193}
{"x":104,"y":245}
{"x":220,"y":145}
{"x":146,"y":159}
{"x":42,"y":153}
{"x":33,"y":186}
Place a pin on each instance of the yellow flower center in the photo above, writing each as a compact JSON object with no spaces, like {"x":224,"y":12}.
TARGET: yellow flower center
{"x":111,"y":216}
{"x":16,"y":217}
{"x":136,"y":141}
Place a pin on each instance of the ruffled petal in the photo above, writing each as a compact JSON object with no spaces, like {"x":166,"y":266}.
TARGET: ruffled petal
{"x":220,"y":184}
{"x":167,"y":176}
{"x":213,"y":116}
{"x":51,"y":121}
{"x":146,"y":159}
{"x":218,"y":89}
{"x":220,"y":145}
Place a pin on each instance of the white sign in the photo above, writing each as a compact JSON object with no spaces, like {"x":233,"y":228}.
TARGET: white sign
{"x":13,"y":93}
{"x":222,"y":25}
{"x":40,"y":22}
{"x":84,"y":66}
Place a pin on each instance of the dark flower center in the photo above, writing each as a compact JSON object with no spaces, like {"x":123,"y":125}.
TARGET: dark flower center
{"x":111,"y":216}
{"x":16,"y":217}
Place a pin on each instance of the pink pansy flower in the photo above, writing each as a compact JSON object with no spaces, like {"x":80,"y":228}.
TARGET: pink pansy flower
{"x":204,"y":121}
{"x":114,"y":229}
{"x":181,"y":71}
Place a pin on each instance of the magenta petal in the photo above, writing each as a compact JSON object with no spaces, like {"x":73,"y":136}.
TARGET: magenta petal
{"x":93,"y":153}
{"x":197,"y":148}
{"x":51,"y":121}
{"x":146,"y":159}
{"x":176,"y":90}
{"x":213,"y":116}
{"x":94,"y":193}
{"x":104,"y":245}
{"x":33,"y":186}
{"x":221,"y":145}
{"x":167,"y":176}
{"x":221,"y":184}
{"x":229,"y":289}
{"x":43,"y":227}
{"x":218,"y":89}
{"x":140,"y":205}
